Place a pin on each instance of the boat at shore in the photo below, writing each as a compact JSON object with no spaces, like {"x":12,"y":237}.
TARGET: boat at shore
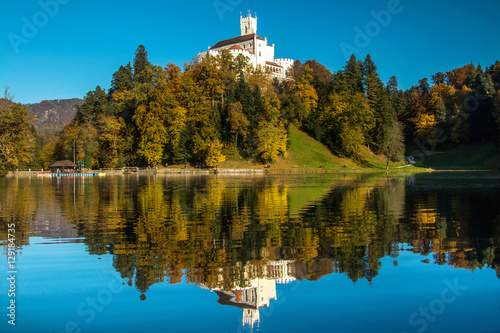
{"x":74,"y":174}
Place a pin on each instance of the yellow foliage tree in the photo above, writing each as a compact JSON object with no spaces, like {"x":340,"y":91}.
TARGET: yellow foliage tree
{"x":214,"y":153}
{"x":442,"y":100}
{"x":238,"y":122}
{"x":111,"y":140}
{"x":306,"y":95}
{"x":425,"y":124}
{"x":271,"y":140}
{"x":16,"y":139}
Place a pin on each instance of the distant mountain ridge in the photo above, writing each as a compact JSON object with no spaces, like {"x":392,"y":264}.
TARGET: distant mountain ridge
{"x":52,"y":116}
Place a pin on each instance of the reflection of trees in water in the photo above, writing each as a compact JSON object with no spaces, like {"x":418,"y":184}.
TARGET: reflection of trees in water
{"x":223,"y":233}
{"x":458,"y":225}
{"x":18,"y":206}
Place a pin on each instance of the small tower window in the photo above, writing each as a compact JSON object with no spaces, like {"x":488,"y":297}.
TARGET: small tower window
{"x":246,"y":30}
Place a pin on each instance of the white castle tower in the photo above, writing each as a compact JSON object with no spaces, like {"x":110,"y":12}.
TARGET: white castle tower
{"x":248,"y":24}
{"x":255,"y":48}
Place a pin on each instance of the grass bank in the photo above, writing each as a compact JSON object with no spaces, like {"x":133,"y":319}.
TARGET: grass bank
{"x":305,"y":154}
{"x":463,"y":157}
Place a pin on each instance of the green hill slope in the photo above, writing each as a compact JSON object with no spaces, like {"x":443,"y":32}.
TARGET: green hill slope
{"x":305,"y":153}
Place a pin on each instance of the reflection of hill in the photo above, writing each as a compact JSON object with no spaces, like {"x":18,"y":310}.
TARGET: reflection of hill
{"x":302,"y":196}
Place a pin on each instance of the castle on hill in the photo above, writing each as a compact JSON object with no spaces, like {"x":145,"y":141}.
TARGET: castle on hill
{"x":255,"y":48}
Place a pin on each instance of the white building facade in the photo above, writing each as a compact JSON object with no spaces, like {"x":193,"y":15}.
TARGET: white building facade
{"x":256,"y":49}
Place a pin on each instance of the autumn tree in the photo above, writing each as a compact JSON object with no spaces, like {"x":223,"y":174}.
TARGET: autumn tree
{"x":158,"y":117}
{"x":271,"y":140}
{"x":16,"y":139}
{"x":213,"y":154}
{"x":305,"y":96}
{"x":111,"y":141}
{"x":237,"y":122}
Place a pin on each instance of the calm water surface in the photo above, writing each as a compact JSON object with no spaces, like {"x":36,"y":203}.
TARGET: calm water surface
{"x":301,"y":253}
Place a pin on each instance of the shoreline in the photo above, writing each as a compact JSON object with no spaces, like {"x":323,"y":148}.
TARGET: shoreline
{"x":250,"y":171}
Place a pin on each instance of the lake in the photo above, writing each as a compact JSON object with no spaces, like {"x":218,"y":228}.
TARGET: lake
{"x":251,"y":253}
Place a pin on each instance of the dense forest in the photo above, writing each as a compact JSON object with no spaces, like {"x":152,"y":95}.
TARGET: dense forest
{"x":224,"y":108}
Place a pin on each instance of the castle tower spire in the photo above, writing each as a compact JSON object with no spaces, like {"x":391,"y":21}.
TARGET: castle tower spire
{"x":248,"y":24}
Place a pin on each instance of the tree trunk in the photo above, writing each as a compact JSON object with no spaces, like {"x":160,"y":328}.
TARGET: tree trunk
{"x":388,"y":161}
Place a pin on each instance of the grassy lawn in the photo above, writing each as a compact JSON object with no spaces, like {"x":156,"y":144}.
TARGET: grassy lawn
{"x":470,"y":157}
{"x":307,"y":154}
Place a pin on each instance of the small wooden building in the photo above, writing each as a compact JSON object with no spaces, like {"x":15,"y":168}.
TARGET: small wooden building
{"x":63,"y":166}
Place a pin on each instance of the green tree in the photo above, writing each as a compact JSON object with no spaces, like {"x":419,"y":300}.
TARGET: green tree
{"x":123,"y":79}
{"x":353,"y":71}
{"x":95,"y":104}
{"x":348,"y":119}
{"x":393,"y":144}
{"x":438,"y":78}
{"x":379,"y":100}
{"x":141,"y":64}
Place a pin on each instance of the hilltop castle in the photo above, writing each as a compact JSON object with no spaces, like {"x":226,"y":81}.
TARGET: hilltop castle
{"x":255,"y":48}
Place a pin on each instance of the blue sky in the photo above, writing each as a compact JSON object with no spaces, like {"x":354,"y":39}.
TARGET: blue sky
{"x":78,"y":45}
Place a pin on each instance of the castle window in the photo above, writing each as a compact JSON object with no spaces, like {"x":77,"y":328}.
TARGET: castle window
{"x":246,"y":30}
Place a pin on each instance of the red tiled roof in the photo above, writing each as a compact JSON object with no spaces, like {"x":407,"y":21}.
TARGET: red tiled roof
{"x":272,"y":64}
{"x":236,"y":47}
{"x":235,"y":40}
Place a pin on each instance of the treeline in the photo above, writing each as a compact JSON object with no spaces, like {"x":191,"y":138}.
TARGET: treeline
{"x":223,"y":107}
{"x":153,"y":115}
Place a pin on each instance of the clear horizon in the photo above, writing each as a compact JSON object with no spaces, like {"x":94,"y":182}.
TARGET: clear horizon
{"x":58,"y":49}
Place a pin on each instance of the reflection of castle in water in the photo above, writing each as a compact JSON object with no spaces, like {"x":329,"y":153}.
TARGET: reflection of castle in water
{"x":259,"y":291}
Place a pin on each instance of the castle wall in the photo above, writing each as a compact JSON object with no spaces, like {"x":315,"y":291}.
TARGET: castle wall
{"x":261,"y":52}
